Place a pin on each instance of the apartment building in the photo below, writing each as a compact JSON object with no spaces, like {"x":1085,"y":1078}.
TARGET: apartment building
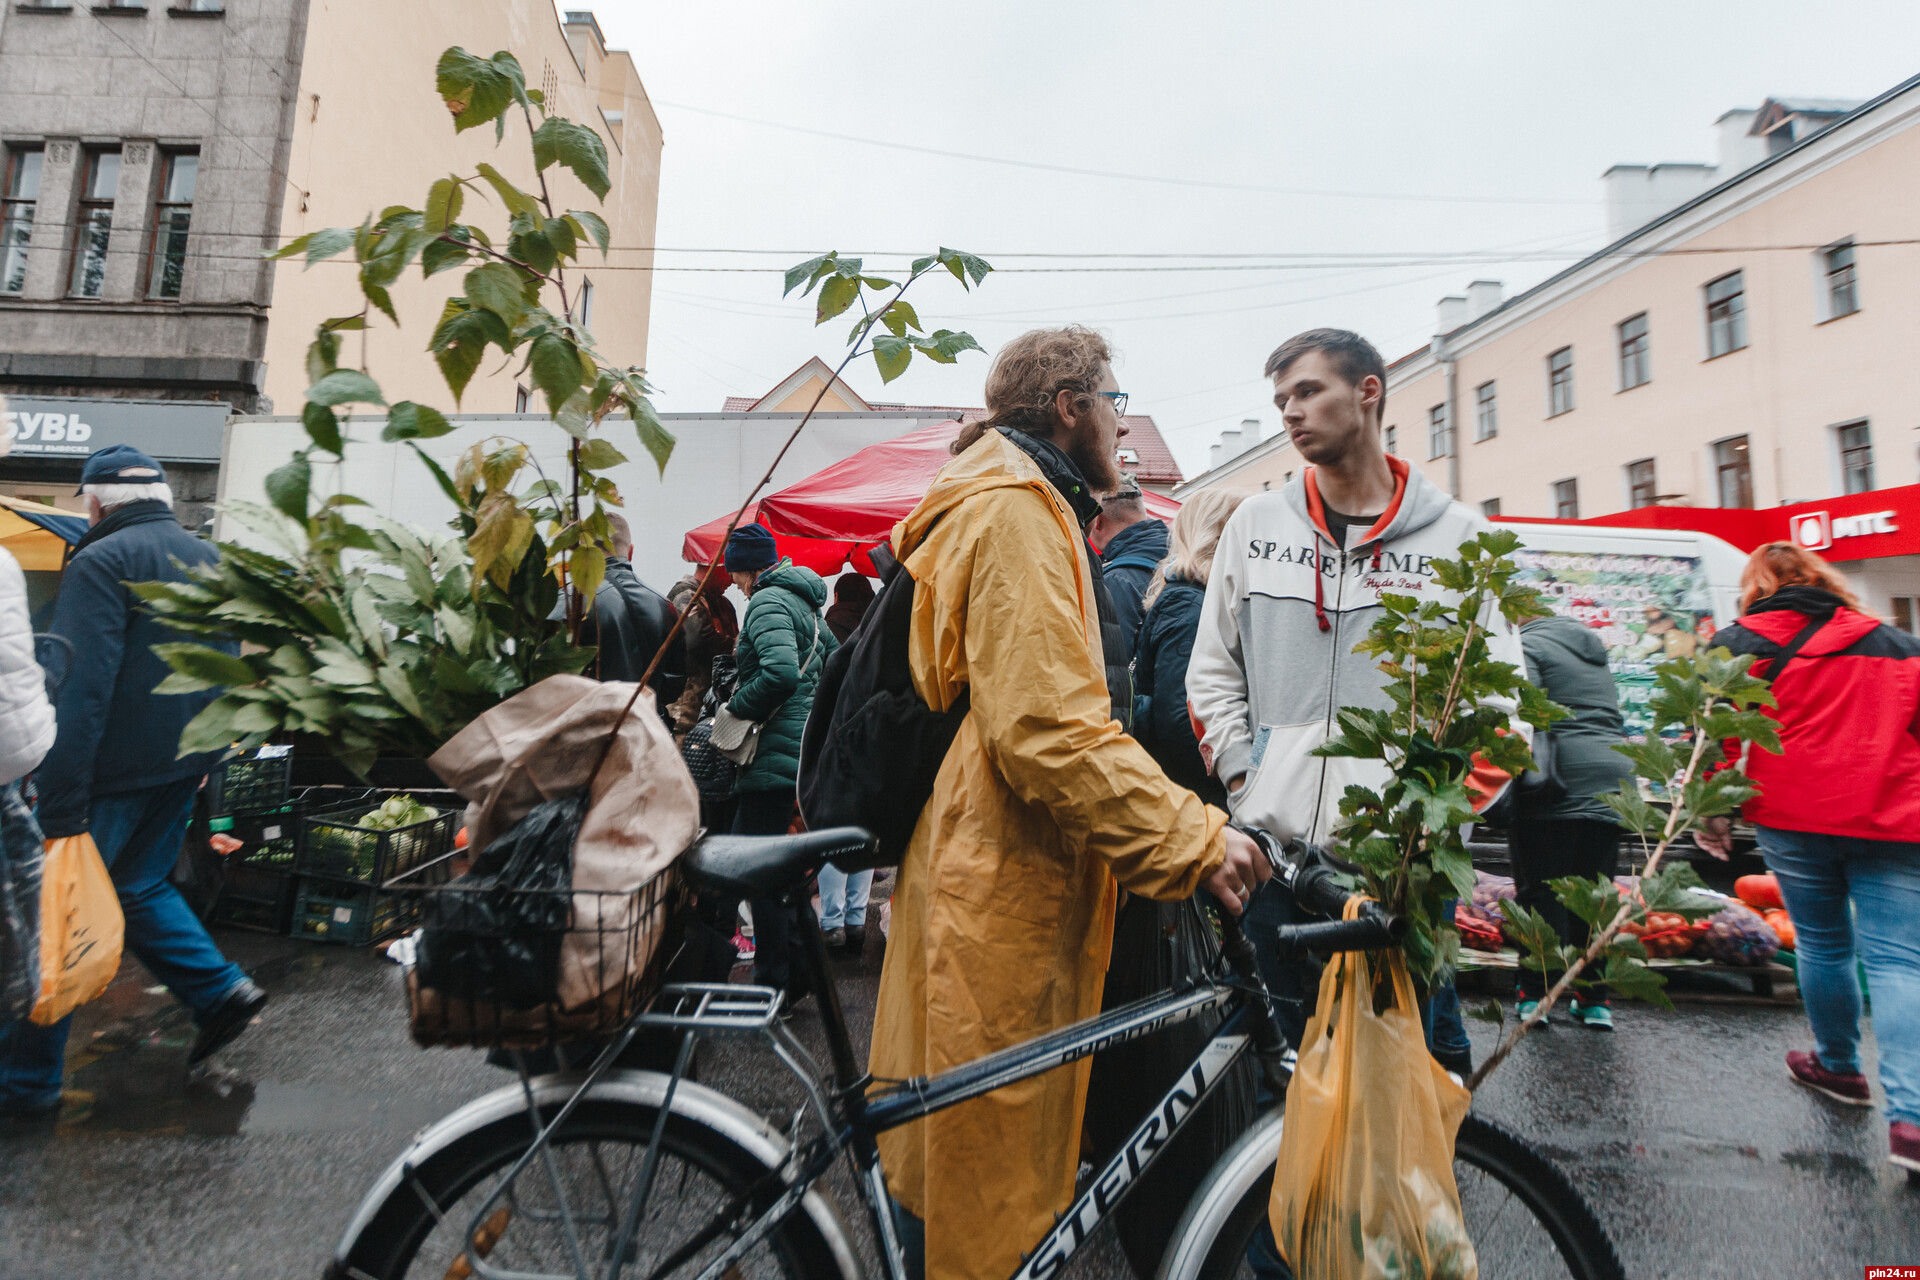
{"x":150,"y":155}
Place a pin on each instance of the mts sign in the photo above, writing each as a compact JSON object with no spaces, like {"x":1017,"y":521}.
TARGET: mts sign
{"x":1816,"y":530}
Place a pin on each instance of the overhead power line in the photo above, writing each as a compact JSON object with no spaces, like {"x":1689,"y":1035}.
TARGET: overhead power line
{"x":1311,"y":192}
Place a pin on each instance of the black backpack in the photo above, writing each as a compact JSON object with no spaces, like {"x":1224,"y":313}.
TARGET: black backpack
{"x":872,"y":746}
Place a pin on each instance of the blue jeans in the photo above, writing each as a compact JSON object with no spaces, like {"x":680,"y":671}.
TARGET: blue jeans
{"x":843,"y":898}
{"x":139,"y":835}
{"x":1820,"y":877}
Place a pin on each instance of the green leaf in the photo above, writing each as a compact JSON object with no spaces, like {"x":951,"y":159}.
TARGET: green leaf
{"x":444,"y":199}
{"x":836,"y":295}
{"x":892,"y":355}
{"x":654,"y":436}
{"x":900,"y":317}
{"x":440,"y":476}
{"x":442,"y":255}
{"x":212,"y":729}
{"x":598,"y":454}
{"x":943,"y":345}
{"x":964,"y":265}
{"x":409,"y":421}
{"x":459,"y":342}
{"x":575,"y":147}
{"x":345,"y":386}
{"x":596,"y":227}
{"x":498,"y":288}
{"x":479,"y":90}
{"x":1491,"y":1011}
{"x":318,"y":245}
{"x":516,"y":200}
{"x":380,"y":298}
{"x":555,"y":366}
{"x":323,"y":428}
{"x":561,"y":236}
{"x":1635,"y":980}
{"x":287,"y":487}
{"x":211,"y":665}
{"x":806,"y":273}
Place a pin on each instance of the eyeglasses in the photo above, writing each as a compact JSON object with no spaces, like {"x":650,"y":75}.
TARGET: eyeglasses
{"x":1119,"y":399}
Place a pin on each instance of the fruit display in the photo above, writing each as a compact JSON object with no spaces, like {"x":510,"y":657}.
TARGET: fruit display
{"x":1762,"y":892}
{"x":1476,"y":932}
{"x":353,"y":852}
{"x":1738,"y":936}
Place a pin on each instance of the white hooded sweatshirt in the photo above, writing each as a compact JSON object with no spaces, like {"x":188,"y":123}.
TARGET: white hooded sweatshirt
{"x":26,"y":717}
{"x":1273,"y":662}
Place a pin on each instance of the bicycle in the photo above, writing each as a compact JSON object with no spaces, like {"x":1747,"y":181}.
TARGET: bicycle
{"x":612,"y":1172}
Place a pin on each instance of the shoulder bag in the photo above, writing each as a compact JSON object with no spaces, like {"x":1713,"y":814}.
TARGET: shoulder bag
{"x":738,"y":739}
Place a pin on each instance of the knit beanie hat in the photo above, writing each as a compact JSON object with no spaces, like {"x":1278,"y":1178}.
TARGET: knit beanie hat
{"x":750,"y":549}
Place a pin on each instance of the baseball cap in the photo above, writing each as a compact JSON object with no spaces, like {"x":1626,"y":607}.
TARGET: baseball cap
{"x":120,"y":464}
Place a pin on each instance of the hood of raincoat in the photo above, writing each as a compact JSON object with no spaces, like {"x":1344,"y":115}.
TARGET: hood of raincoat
{"x":1003,"y":911}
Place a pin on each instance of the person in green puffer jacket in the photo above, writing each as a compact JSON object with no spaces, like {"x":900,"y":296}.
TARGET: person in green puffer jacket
{"x":782,"y":650}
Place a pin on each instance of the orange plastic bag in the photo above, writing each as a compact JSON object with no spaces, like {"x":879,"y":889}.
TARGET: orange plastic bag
{"x":81,"y":928}
{"x":1364,"y":1186}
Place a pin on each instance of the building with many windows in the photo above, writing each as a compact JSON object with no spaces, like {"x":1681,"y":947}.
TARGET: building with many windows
{"x":151,"y":152}
{"x":1747,"y":343}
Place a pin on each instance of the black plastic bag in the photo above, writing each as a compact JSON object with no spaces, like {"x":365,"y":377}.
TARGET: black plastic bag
{"x":493,"y":936}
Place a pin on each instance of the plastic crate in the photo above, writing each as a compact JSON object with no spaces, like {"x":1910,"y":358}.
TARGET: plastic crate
{"x":256,"y":896}
{"x":270,"y":837}
{"x":252,"y":780}
{"x":333,"y":844}
{"x":357,"y":915}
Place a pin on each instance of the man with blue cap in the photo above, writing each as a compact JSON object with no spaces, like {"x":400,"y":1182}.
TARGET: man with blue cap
{"x":113,"y":770}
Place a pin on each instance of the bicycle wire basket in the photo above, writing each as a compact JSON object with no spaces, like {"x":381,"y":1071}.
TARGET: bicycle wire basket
{"x":499,"y":967}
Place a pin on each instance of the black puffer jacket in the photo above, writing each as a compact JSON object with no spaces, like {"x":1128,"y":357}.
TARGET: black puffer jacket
{"x":1161,"y":722}
{"x":628,"y":622}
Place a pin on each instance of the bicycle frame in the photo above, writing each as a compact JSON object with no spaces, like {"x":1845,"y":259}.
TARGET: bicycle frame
{"x":851,"y":1116}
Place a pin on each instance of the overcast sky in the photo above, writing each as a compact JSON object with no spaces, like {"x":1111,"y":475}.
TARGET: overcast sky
{"x":1413,"y":128}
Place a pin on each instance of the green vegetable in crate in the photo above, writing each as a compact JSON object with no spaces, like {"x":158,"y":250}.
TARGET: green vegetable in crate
{"x":397,"y":812}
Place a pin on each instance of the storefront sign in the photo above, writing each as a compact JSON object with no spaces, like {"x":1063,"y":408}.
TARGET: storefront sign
{"x":170,"y":430}
{"x":1817,"y":530}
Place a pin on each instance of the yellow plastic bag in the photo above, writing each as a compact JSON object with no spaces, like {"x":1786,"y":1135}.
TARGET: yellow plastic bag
{"x":1364,"y":1186}
{"x":81,"y":928}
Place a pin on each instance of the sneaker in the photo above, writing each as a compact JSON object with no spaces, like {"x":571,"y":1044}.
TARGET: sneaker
{"x":1848,"y":1087}
{"x":1524,"y":1010}
{"x":743,"y":948}
{"x":836,"y":939}
{"x":1597,"y":1016}
{"x":1904,"y":1144}
{"x":226,"y":1020}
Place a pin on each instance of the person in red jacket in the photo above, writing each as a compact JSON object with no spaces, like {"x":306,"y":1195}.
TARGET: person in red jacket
{"x":1838,"y":817}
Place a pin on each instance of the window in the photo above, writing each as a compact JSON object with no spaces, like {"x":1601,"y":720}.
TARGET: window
{"x":1906,"y":613}
{"x":521,"y":398}
{"x":1635,"y":365}
{"x":1486,"y":412}
{"x":95,"y":224}
{"x":1843,"y":299}
{"x":1393,"y":440}
{"x":1733,"y":472}
{"x":1726,"y":314}
{"x":171,"y":217}
{"x":1566,"y":499}
{"x":1439,"y":433}
{"x":1856,"y":457}
{"x":1560,"y":382}
{"x":16,"y":220}
{"x":1641,"y":489}
{"x":1490,"y":508}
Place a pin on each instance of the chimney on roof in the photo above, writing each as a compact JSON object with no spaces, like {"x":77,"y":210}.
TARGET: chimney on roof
{"x":1249,"y":433}
{"x":1484,"y":297}
{"x":1739,"y":148}
{"x":1452,"y":313}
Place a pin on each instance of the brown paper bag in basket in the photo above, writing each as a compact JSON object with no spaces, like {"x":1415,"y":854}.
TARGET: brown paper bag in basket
{"x":643,"y":811}
{"x":1364,"y":1188}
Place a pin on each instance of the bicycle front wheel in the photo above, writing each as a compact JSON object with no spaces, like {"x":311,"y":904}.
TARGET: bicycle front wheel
{"x":561,"y":1214}
{"x":1526,"y":1220}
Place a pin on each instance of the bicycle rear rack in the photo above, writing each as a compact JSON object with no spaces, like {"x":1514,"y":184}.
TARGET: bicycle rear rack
{"x":713,"y":1009}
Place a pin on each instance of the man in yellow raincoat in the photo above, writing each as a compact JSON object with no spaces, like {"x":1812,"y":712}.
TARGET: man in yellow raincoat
{"x":1003,"y":912}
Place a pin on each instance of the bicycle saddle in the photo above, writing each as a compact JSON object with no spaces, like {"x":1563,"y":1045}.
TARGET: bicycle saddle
{"x":767,"y":866}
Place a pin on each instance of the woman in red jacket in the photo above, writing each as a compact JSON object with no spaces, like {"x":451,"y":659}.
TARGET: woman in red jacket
{"x":1838,"y":817}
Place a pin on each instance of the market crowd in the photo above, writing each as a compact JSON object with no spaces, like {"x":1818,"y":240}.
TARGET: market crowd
{"x":1131,"y":685}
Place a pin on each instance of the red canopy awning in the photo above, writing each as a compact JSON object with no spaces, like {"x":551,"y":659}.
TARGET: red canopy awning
{"x":831,"y":518}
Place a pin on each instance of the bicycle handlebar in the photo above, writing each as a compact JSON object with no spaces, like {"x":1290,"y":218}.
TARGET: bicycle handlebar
{"x":1303,"y":869}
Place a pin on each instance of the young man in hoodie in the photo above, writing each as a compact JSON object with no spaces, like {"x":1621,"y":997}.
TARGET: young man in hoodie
{"x":1295,"y":585}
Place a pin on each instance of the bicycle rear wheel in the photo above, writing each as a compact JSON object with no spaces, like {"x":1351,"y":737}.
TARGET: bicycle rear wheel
{"x":1526,"y":1220}
{"x":706,"y":1188}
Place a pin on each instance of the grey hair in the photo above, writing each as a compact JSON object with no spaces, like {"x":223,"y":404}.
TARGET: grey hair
{"x":119,"y":495}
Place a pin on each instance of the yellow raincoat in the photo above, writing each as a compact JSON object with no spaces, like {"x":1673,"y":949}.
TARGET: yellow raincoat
{"x":1003,"y":913}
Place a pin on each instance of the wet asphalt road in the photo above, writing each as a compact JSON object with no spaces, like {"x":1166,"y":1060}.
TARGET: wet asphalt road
{"x":1699,"y":1154}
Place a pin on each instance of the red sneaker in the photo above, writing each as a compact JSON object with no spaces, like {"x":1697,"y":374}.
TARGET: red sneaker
{"x":1904,"y":1142}
{"x":1850,"y":1087}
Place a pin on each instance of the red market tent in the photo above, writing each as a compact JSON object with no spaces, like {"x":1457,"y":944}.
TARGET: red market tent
{"x":835,"y":515}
